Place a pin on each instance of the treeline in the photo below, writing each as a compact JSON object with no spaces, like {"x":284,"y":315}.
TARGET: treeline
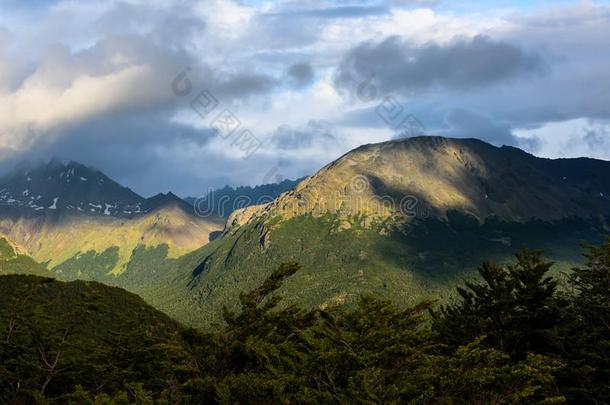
{"x":513,"y":336}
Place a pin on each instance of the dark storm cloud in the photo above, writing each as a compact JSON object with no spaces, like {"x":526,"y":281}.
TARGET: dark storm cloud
{"x":464,"y":123}
{"x":300,"y":74}
{"x":244,"y":85}
{"x":462,"y":65}
{"x":468,"y":124}
{"x":136,"y":151}
{"x":534,"y":116}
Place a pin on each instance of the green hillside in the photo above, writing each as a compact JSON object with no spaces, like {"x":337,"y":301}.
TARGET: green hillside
{"x":346,"y":225}
{"x":13,"y":262}
{"x":57,"y":336}
{"x":474,"y":202}
{"x":338,"y":265}
{"x":106,"y":242}
{"x":513,"y":337}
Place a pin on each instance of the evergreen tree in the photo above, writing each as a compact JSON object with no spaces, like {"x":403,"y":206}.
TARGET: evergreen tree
{"x":514,"y":308}
{"x":587,"y":328}
{"x":511,"y":338}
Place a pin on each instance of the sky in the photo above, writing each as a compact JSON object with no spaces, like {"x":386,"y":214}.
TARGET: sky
{"x":183,"y":96}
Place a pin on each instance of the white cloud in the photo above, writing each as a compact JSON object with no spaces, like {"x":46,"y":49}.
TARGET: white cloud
{"x":573,"y":138}
{"x":67,"y":88}
{"x":83,"y":63}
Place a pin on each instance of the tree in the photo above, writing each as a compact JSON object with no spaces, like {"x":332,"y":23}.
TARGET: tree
{"x":514,"y":308}
{"x":587,"y":327}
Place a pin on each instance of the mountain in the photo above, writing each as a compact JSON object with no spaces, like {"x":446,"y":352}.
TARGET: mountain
{"x":82,"y":224}
{"x":406,"y":220}
{"x":433,"y":176}
{"x":224,"y":201}
{"x":170,"y":199}
{"x":57,"y":188}
{"x":71,"y":188}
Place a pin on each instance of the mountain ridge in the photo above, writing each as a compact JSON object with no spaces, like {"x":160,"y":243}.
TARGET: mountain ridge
{"x":347,"y":243}
{"x":224,"y":201}
{"x":58,"y":189}
{"x":473,"y":201}
{"x":74,"y":218}
{"x":445,"y":174}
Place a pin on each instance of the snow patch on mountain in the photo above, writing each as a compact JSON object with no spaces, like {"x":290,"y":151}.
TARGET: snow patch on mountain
{"x":54,"y":205}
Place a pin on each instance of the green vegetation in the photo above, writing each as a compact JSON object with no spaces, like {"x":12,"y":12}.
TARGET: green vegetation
{"x":512,"y":337}
{"x":424,"y":261}
{"x":81,"y":337}
{"x":89,"y":266}
{"x":12,"y":262}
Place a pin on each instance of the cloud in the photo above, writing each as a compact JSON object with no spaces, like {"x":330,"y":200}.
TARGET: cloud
{"x":598,"y":138}
{"x":464,"y":64}
{"x":572,"y":138}
{"x":348,"y":11}
{"x":300,"y":74}
{"x":138,"y":151}
{"x":13,"y":67}
{"x":116,"y":74}
{"x":288,"y":138}
{"x":467,"y":124}
{"x":131,"y":71}
{"x":92,"y":81}
{"x":244,"y":85}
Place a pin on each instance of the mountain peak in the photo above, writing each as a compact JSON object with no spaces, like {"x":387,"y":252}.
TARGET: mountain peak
{"x":164,"y":200}
{"x":432,"y":176}
{"x":56,"y":188}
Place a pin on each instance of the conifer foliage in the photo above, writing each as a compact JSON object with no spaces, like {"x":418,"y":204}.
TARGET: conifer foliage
{"x":513,"y":336}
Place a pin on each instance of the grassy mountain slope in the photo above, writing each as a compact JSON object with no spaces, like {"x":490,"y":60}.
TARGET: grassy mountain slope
{"x":466,"y":201}
{"x":13,"y":260}
{"x":82,"y":224}
{"x":473,"y":201}
{"x":340,"y":264}
{"x":74,"y":246}
{"x":434,"y":175}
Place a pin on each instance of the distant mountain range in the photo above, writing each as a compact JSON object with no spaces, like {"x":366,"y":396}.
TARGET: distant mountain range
{"x":74,"y":188}
{"x":406,"y":220}
{"x":223,"y":202}
{"x":78,"y":221}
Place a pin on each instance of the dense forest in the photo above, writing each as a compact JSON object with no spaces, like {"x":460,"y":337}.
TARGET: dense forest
{"x":516,"y":335}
